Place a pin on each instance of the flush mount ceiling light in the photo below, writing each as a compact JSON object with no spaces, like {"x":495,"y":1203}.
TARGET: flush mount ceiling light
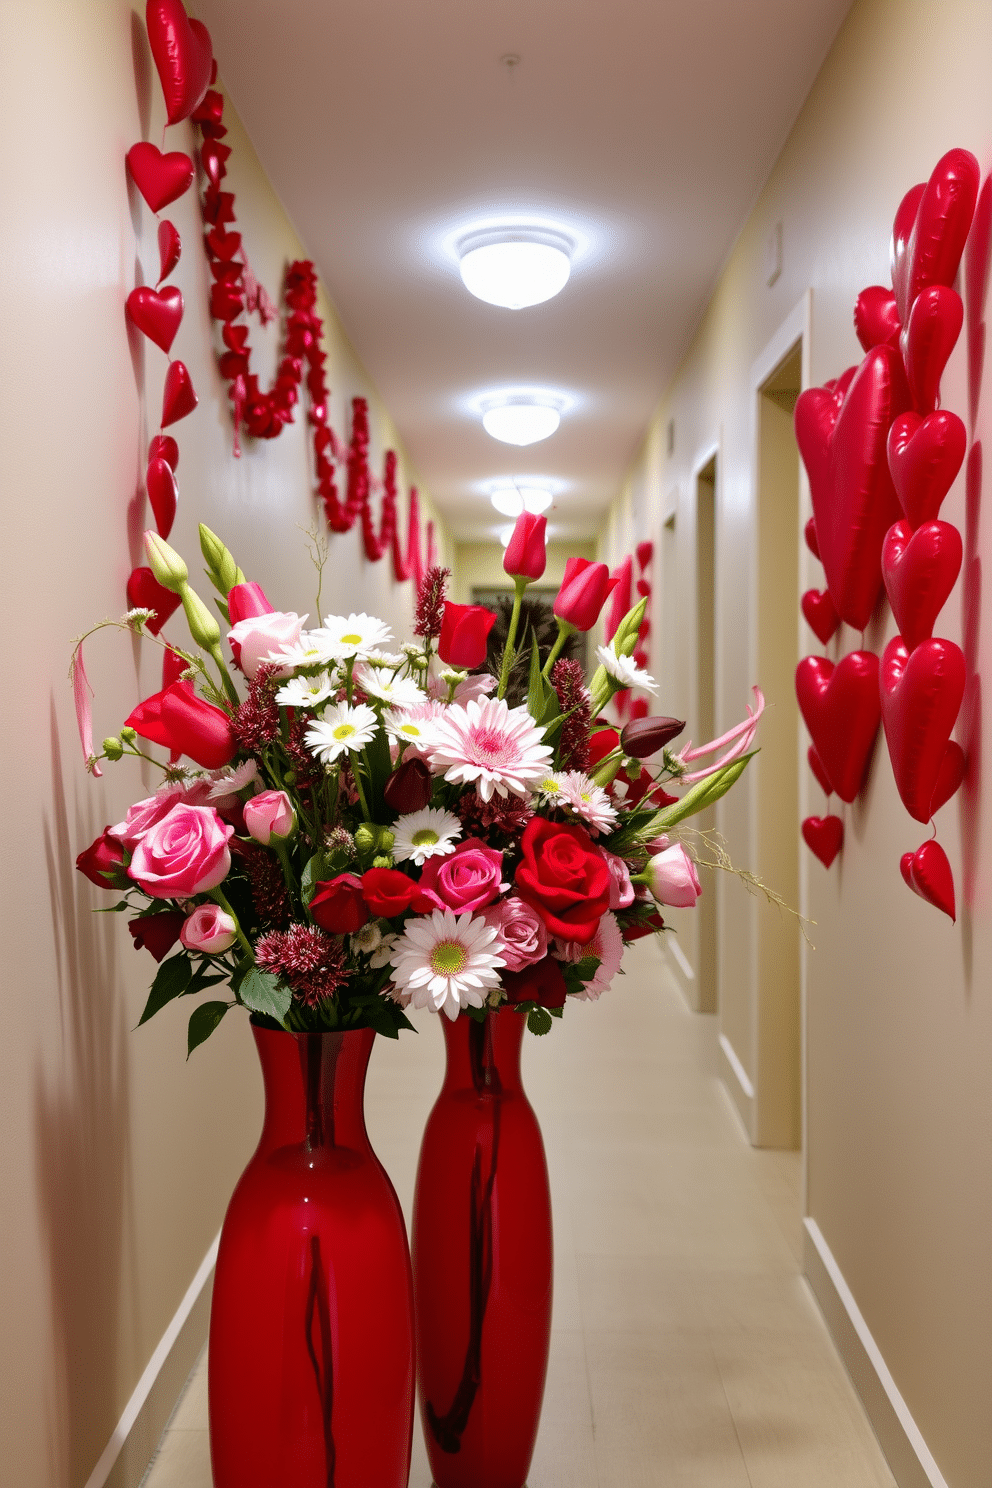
{"x":515,"y":266}
{"x":511,"y":500}
{"x":524,"y":418}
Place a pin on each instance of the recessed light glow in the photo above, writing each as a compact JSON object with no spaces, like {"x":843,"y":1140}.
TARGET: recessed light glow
{"x":510,"y":501}
{"x":505,"y":533}
{"x":521,"y":421}
{"x":515,"y":267}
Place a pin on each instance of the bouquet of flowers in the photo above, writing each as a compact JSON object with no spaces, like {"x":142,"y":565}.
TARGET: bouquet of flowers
{"x":343,"y":830}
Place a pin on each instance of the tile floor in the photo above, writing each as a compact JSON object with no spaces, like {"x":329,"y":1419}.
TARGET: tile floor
{"x":686,"y":1349}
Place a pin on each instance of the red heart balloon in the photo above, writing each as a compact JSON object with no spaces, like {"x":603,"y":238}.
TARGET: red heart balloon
{"x":170,"y":248}
{"x":824,"y":836}
{"x":161,"y":179}
{"x":919,"y":569}
{"x":928,"y":340}
{"x":925,"y":455}
{"x":943,"y":219}
{"x":163,"y":493}
{"x":223,"y":245}
{"x":183,"y":56}
{"x":819,"y":612}
{"x":876,"y":318}
{"x":928,"y":873}
{"x":840,"y":706}
{"x":164,"y":447}
{"x":178,"y":397}
{"x":144,"y":592}
{"x":949,"y":776}
{"x":816,"y":765}
{"x":809,"y":533}
{"x":921,"y":694}
{"x":902,"y":229}
{"x":157,"y":313}
{"x":854,"y":503}
{"x":235,"y":337}
{"x":645,"y":552}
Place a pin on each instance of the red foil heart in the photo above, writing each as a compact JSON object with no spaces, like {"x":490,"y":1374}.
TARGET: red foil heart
{"x":816,"y":765}
{"x":934,"y":326}
{"x":824,"y":836}
{"x":645,"y":552}
{"x":183,"y":56}
{"x":941,"y":226}
{"x":157,"y":313}
{"x":840,"y":707}
{"x":163,"y":494}
{"x":144,"y":592}
{"x":178,"y":397}
{"x":854,"y":503}
{"x":809,"y":533}
{"x":876,"y":317}
{"x":223,"y":245}
{"x":924,"y":457}
{"x":949,"y":776}
{"x":170,"y":248}
{"x":819,"y":613}
{"x":928,"y":873}
{"x":164,"y":447}
{"x":919,"y":569}
{"x":161,"y":179}
{"x":921,"y":696}
{"x":902,"y":229}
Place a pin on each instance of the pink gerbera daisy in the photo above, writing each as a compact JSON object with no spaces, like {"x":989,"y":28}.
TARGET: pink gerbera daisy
{"x":581,"y":795}
{"x":495,"y":747}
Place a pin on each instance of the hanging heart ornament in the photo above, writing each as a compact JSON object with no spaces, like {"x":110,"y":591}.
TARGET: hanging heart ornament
{"x":819,"y":613}
{"x":144,"y":592}
{"x":161,"y":179}
{"x":163,"y":494}
{"x":921,"y":694}
{"x":876,"y":317}
{"x":170,"y":248}
{"x":157,"y":313}
{"x":183,"y":56}
{"x":925,"y":455}
{"x":840,"y":707}
{"x":178,"y":396}
{"x":920,"y":569}
{"x":824,"y":836}
{"x":928,"y":873}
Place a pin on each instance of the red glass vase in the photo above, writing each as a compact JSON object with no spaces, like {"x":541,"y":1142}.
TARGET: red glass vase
{"x":311,"y":1371}
{"x":482,"y":1262}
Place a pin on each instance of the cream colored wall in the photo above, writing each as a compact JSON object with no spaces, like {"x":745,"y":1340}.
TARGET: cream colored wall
{"x":117,"y":1156}
{"x":898,"y":1010}
{"x":480,"y":566}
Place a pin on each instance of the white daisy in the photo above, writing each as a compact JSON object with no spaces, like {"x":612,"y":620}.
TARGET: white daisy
{"x":341,"y":729}
{"x":366,"y":939}
{"x":311,"y":650}
{"x":496,"y":747}
{"x":381,"y":955}
{"x":306,"y":692}
{"x":385,"y":659}
{"x":412,"y":725}
{"x":586,"y":799}
{"x":623,"y":669}
{"x":446,"y":962}
{"x":551,"y":787}
{"x":227,"y":783}
{"x":354,"y":635}
{"x":402,"y":692}
{"x":429,"y":833}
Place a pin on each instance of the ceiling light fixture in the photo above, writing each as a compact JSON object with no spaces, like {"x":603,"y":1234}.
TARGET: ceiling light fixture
{"x":512,"y":499}
{"x":521,"y":418}
{"x":515,"y":266}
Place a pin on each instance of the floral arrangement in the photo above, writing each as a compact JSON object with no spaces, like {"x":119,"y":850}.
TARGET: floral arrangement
{"x":346,"y":831}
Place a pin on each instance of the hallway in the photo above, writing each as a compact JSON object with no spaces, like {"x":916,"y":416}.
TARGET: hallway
{"x":687,"y":1350}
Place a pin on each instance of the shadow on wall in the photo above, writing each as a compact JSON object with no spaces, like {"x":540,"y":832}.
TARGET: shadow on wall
{"x":82,"y":1119}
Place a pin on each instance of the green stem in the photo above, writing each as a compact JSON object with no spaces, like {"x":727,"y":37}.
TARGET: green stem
{"x":221,"y":898}
{"x":225,"y":676}
{"x":564,"y":631}
{"x":356,"y":776}
{"x":519,"y":585}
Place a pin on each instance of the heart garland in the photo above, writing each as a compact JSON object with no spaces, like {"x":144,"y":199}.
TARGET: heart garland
{"x":819,"y":613}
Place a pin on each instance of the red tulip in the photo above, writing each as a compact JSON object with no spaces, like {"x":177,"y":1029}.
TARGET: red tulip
{"x":103,"y":863}
{"x":158,"y":933}
{"x":583,"y":592}
{"x":464,"y":632}
{"x":186,"y":724}
{"x":525,"y":556}
{"x":245,"y":601}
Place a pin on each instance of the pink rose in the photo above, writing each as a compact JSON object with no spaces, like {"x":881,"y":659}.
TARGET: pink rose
{"x":254,"y":639}
{"x":621,"y":888}
{"x":672,"y":877}
{"x":209,"y":929}
{"x":144,"y":814}
{"x":522,"y":936}
{"x":183,"y":854}
{"x":466,"y":880}
{"x":270,"y":814}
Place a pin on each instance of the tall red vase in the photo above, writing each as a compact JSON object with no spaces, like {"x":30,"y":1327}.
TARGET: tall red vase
{"x":311,"y":1371}
{"x":482,"y":1257}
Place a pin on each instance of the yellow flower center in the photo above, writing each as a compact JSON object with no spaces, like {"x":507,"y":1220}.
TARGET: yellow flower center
{"x":411,"y":729}
{"x":352,"y":640}
{"x":344,"y":731}
{"x":424,"y":838}
{"x":448,"y":957}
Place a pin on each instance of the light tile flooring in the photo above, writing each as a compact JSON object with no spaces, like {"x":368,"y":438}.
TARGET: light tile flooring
{"x":686,"y":1350}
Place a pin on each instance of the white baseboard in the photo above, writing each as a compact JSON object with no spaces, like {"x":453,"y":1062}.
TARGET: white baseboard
{"x":899,"y":1436}
{"x":126,"y":1456}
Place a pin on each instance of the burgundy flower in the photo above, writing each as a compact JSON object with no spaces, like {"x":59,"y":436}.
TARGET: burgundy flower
{"x":157,"y":933}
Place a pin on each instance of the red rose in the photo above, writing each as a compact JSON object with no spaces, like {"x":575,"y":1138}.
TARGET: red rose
{"x":566,"y":878}
{"x":103,"y":863}
{"x":158,"y":933}
{"x":636,"y":930}
{"x":464,"y":632}
{"x":542,"y":982}
{"x":388,"y":892}
{"x":186,"y":724}
{"x":338,"y":905}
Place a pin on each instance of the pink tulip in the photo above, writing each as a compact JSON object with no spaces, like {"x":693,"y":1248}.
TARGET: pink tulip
{"x":246,"y":601}
{"x":526,"y":555}
{"x":672,"y":877}
{"x":209,"y":929}
{"x":583,"y":592}
{"x":269,"y":815}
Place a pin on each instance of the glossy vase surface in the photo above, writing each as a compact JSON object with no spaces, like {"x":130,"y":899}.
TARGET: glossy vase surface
{"x":482,"y":1255}
{"x":311,"y":1367}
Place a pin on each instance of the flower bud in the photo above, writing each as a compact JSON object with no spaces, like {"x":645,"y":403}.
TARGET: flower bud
{"x":209,"y":929}
{"x":627,"y":632}
{"x":464,"y":633}
{"x":224,"y":572}
{"x":526,"y":556}
{"x":382,"y":861}
{"x":408,"y":788}
{"x":103,"y":863}
{"x":269,"y":816}
{"x":113,"y":748}
{"x":364,"y":839}
{"x":583,"y":592}
{"x":128,"y":734}
{"x":165,"y":563}
{"x":385,"y":840}
{"x":202,"y":625}
{"x":672,"y":877}
{"x":643,"y":737}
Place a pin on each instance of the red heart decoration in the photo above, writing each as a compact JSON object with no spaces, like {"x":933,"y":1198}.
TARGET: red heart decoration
{"x":164,"y":447}
{"x":921,"y":694}
{"x":144,"y":592}
{"x":949,"y":776}
{"x":223,"y":245}
{"x":876,"y":318}
{"x":809,"y":533}
{"x":928,"y":873}
{"x":183,"y":55}
{"x":854,"y":504}
{"x":902,"y":229}
{"x":178,"y":397}
{"x":824,"y":836}
{"x":161,"y":179}
{"x":170,"y":248}
{"x":645,"y":552}
{"x":919,"y":569}
{"x":816,"y":765}
{"x":943,"y":219}
{"x":157,"y":313}
{"x":818,"y":610}
{"x":928,"y":340}
{"x":840,"y":706}
{"x":235,"y":337}
{"x":925,"y":455}
{"x":163,"y":493}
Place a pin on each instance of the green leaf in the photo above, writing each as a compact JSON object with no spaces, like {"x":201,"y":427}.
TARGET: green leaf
{"x":539,"y":1021}
{"x":535,"y":684}
{"x":479,"y":1014}
{"x":587,"y":967}
{"x":309,"y":878}
{"x":702,"y":794}
{"x":171,"y":980}
{"x":203,"y":1021}
{"x":261,"y":992}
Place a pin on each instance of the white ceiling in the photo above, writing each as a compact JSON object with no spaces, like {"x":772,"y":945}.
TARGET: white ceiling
{"x":644,"y":127}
